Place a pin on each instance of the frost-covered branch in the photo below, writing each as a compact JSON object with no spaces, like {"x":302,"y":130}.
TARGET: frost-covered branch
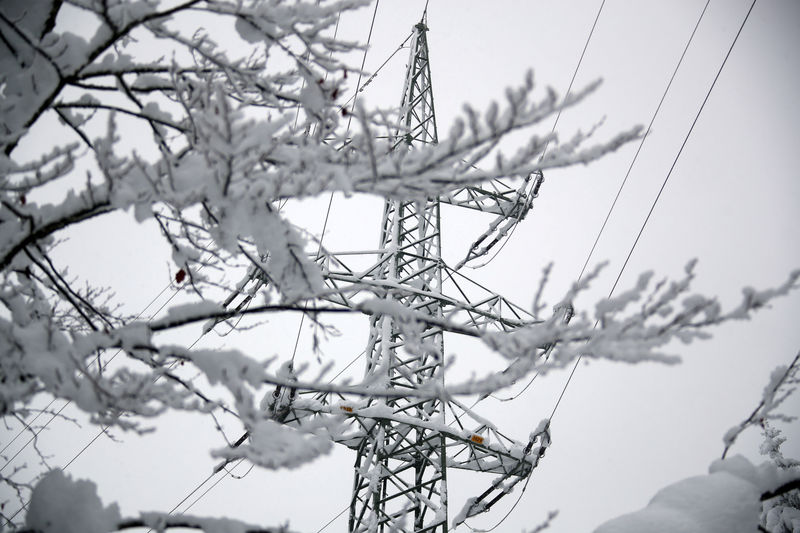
{"x":625,"y":332}
{"x":783,"y":382}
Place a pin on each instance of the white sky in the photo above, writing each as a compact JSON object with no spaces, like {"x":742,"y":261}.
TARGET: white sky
{"x":621,"y":432}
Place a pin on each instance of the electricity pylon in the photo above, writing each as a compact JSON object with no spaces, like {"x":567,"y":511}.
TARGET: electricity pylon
{"x":401,"y":467}
{"x":401,"y":471}
{"x":403,"y":444}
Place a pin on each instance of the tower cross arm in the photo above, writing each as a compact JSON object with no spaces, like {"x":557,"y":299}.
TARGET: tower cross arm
{"x":481,"y":450}
{"x":498,"y":196}
{"x":471,"y":305}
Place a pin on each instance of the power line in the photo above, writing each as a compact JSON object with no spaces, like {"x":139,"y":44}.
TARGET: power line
{"x":217,"y":482}
{"x":508,"y":513}
{"x":663,"y":185}
{"x":193,"y":491}
{"x":333,"y":519}
{"x":555,"y":123}
{"x":363,"y":62}
{"x":624,"y":181}
{"x":103,"y":429}
{"x":685,"y":140}
{"x":36,"y":433}
{"x":574,"y":74}
{"x":377,"y":71}
{"x":644,"y":137}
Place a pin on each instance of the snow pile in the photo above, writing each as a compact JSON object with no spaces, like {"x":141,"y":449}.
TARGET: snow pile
{"x":61,"y":505}
{"x":727,"y":500}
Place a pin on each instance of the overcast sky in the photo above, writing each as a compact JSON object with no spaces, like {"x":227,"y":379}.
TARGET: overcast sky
{"x":621,"y":432}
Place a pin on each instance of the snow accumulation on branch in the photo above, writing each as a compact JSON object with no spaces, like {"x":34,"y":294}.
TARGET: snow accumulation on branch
{"x":783,"y":382}
{"x":238,"y":110}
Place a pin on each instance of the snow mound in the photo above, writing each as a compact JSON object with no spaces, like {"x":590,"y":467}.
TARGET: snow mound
{"x":727,"y":500}
{"x":61,"y":505}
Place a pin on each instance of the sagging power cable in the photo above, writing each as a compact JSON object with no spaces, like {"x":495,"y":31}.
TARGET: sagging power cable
{"x":663,"y":185}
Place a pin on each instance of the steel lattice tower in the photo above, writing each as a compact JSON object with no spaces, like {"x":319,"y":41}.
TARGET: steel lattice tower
{"x":401,"y":470}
